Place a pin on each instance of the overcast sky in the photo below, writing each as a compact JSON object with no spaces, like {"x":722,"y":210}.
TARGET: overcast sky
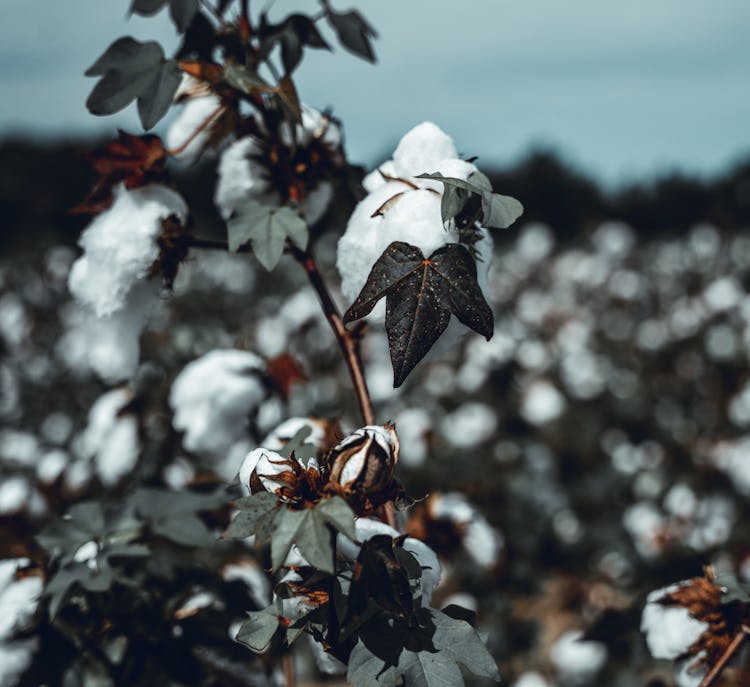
{"x":622,"y":88}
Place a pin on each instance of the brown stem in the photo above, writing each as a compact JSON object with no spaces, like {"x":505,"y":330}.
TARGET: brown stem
{"x":287,"y":666}
{"x":205,"y":123}
{"x":735,"y":644}
{"x":348,"y":343}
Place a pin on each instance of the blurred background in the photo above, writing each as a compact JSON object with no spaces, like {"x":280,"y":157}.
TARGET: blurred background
{"x":603,"y":433}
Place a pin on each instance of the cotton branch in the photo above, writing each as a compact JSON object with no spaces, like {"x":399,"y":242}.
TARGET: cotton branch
{"x":348,"y":343}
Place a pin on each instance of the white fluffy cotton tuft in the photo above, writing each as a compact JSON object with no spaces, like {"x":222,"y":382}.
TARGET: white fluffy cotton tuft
{"x":120,"y":246}
{"x":212,"y":398}
{"x":111,"y":437}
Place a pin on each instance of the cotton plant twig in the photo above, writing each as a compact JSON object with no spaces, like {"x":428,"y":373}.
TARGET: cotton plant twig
{"x":348,"y":342}
{"x":215,"y":114}
{"x":733,"y":647}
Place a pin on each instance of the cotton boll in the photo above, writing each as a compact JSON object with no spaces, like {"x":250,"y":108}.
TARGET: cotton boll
{"x":18,"y":597}
{"x":15,"y":659}
{"x":645,"y":523}
{"x":283,"y":433}
{"x":15,"y":493}
{"x":111,"y":438}
{"x":212,"y":398}
{"x":480,"y":540}
{"x":576,"y":660}
{"x":120,"y":246}
{"x":542,"y":403}
{"x":670,"y":630}
{"x":241,"y":177}
{"x":470,"y":425}
{"x":193,"y":114}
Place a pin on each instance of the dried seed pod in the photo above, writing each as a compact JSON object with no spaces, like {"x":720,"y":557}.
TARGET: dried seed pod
{"x":366,"y":459}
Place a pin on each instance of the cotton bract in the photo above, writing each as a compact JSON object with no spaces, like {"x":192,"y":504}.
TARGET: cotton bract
{"x":403,"y":213}
{"x":212,"y":398}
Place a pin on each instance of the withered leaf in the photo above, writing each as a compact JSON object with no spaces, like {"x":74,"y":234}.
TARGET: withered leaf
{"x":132,"y":160}
{"x":421,"y":294}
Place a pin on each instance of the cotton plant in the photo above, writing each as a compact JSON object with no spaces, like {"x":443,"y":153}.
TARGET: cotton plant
{"x":308,"y":533}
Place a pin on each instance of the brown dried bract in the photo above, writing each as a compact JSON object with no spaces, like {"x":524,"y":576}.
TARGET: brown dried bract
{"x":131,"y":160}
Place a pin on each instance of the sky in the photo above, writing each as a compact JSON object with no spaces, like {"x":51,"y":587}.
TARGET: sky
{"x":625,"y":90}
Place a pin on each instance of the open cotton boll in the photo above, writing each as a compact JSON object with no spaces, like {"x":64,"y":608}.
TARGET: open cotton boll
{"x":670,"y":630}
{"x":18,"y":597}
{"x":120,"y":246}
{"x":480,"y":540}
{"x":283,"y":433}
{"x":577,"y":660}
{"x":212,"y":398}
{"x":243,"y":173}
{"x":110,"y":345}
{"x":193,"y":114}
{"x":111,"y":438}
{"x":15,"y":659}
{"x":242,"y":177}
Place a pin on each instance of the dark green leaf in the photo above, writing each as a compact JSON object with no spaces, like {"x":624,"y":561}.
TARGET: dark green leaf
{"x":147,"y":8}
{"x":182,"y":12}
{"x":267,"y":229}
{"x":336,"y":512}
{"x":185,"y":529}
{"x":154,"y":102}
{"x":461,"y":642}
{"x":302,"y":450}
{"x":258,"y":630}
{"x":308,"y":532}
{"x":420,"y":297}
{"x":354,"y":33}
{"x":367,"y":670}
{"x":132,"y":70}
{"x":128,"y":55}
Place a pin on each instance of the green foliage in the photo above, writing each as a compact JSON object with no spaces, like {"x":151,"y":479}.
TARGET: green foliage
{"x":267,"y":229}
{"x":174,"y":515}
{"x":354,"y":32}
{"x":131,"y":70}
{"x":420,"y":297}
{"x":259,"y":629}
{"x":450,"y":644}
{"x":497,"y":212}
{"x":181,"y":12}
